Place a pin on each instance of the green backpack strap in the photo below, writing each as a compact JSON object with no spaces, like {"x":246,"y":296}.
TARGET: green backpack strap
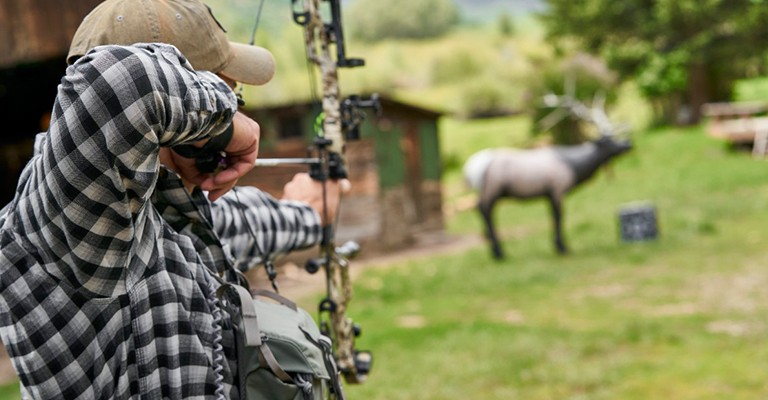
{"x":276,"y":297}
{"x":248,"y":326}
{"x":249,"y":322}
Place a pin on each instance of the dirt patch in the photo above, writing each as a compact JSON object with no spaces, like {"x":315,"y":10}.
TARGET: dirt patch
{"x":411,"y":321}
{"x":295,"y":283}
{"x":733,"y":328}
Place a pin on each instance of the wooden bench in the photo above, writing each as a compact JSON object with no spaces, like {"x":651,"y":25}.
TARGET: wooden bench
{"x":743,"y":123}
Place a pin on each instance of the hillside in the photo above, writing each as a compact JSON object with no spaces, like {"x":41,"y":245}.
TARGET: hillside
{"x":472,"y":69}
{"x":239,"y":16}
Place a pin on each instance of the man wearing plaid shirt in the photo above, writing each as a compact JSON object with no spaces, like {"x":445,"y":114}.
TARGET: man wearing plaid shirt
{"x":110,"y":251}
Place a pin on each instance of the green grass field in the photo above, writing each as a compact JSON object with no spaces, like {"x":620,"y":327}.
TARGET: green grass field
{"x":684,"y":317}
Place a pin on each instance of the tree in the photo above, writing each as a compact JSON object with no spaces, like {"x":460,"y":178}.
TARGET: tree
{"x":682,"y":53}
{"x":373,"y":20}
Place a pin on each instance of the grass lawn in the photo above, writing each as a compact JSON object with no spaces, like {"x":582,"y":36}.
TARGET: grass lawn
{"x":684,"y":317}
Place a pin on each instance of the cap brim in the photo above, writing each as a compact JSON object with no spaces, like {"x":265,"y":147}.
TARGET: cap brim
{"x":250,"y":65}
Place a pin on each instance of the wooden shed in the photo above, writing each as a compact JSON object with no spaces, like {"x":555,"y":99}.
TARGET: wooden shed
{"x":394,"y":168}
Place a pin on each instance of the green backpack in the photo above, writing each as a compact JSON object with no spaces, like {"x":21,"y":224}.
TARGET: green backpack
{"x":281,"y":352}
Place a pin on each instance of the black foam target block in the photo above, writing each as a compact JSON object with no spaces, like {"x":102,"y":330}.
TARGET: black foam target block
{"x":638,"y":222}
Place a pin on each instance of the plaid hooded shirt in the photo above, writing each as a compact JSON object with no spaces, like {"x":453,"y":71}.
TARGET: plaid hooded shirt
{"x":106,"y":262}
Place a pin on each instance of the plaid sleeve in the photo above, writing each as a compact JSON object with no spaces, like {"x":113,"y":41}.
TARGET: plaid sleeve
{"x":255,"y":225}
{"x":85,"y":193}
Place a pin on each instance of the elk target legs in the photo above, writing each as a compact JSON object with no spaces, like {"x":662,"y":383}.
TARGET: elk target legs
{"x":486,"y":210}
{"x":557,"y":221}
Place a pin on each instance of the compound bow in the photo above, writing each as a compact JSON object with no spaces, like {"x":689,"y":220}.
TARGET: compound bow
{"x":340,"y":121}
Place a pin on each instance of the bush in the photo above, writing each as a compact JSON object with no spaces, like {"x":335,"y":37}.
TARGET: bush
{"x":456,"y":67}
{"x":483,"y":98}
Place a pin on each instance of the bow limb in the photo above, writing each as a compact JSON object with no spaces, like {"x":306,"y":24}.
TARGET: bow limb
{"x":317,"y":37}
{"x":343,"y":328}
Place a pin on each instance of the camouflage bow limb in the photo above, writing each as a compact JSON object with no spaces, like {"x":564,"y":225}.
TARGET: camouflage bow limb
{"x":340,"y":121}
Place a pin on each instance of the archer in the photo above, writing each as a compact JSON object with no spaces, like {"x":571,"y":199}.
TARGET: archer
{"x":114,"y":246}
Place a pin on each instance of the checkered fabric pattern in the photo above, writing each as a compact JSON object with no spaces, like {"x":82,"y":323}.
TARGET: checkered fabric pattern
{"x":106,"y":262}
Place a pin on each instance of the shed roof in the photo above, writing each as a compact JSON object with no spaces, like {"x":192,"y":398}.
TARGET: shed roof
{"x":387,"y":103}
{"x":34,"y":30}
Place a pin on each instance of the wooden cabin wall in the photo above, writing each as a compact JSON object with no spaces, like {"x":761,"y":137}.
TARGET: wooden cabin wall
{"x":33,"y":30}
{"x":34,"y":41}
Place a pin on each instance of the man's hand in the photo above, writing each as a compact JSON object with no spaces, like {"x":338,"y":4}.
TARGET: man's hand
{"x":241,"y":154}
{"x":241,"y":151}
{"x":303,"y":188}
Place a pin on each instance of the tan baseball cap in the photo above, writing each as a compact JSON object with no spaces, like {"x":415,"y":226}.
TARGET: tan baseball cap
{"x":187,"y":24}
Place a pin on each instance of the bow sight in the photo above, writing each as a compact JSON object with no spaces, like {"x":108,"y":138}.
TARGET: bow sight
{"x":352,"y":115}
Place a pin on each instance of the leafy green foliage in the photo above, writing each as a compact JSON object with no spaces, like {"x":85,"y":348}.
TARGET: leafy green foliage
{"x":663,"y":76}
{"x":683,"y":52}
{"x":483,"y":98}
{"x":751,"y":89}
{"x":374,"y":20}
{"x":471,"y":71}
